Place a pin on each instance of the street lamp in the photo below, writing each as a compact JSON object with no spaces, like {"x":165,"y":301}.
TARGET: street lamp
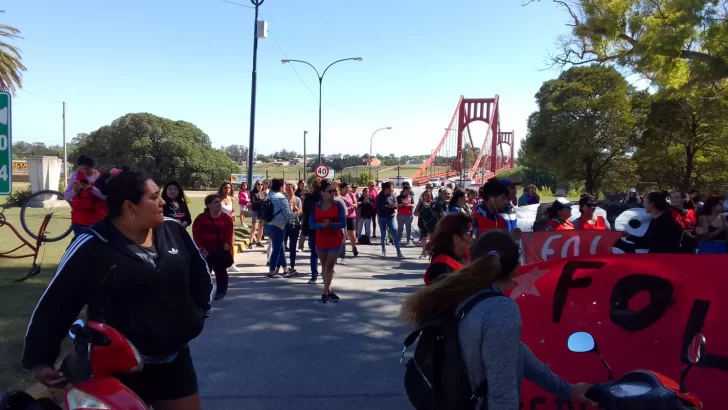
{"x":321,"y":80}
{"x":371,"y":140}
{"x":461,"y":155}
{"x":253,"y":89}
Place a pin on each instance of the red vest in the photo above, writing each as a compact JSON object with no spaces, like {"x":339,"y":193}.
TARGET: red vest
{"x":455,"y":265}
{"x":558,"y":226}
{"x":87,"y":208}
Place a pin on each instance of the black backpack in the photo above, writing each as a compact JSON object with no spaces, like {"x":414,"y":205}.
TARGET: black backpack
{"x":435,"y":376}
{"x":267,"y":210}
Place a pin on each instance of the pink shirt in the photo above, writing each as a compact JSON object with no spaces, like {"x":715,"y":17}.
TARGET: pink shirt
{"x":244,"y":198}
{"x":374,"y":193}
{"x":349,"y":201}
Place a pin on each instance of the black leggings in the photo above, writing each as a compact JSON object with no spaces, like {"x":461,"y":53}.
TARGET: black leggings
{"x":221,"y":277}
{"x":172,"y":381}
{"x":292,"y":234}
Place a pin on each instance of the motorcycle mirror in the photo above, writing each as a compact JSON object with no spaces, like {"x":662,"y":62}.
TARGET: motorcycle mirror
{"x":79,"y":323}
{"x":581,"y":342}
{"x":696,"y":350}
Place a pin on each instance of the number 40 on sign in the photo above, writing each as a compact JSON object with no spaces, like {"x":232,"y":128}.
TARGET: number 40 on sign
{"x":6,"y":145}
{"x":322,"y":171}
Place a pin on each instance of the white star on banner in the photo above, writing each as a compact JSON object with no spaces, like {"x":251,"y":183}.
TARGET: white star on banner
{"x":526,"y":283}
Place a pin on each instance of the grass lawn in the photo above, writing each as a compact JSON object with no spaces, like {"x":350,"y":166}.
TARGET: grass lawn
{"x":19,"y":299}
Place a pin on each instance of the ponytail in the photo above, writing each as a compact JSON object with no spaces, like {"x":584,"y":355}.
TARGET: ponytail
{"x":495,"y":257}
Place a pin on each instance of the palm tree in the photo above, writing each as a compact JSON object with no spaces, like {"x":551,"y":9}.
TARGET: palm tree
{"x":11,"y":67}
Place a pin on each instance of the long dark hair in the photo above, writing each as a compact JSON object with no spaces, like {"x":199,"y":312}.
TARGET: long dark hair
{"x":127,"y":186}
{"x":456,"y":195}
{"x":181,"y":198}
{"x":221,"y":192}
{"x":709,"y":204}
{"x":495,"y":257}
{"x":447,"y":227}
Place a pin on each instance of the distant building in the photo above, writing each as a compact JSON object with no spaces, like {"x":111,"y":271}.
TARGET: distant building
{"x":375,"y":162}
{"x":281,"y":163}
{"x":415,"y":161}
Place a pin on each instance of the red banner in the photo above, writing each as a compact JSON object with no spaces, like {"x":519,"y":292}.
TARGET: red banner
{"x":546,"y":246}
{"x":641,"y":309}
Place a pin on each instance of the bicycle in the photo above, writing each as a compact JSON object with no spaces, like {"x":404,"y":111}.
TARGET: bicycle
{"x":53,"y":224}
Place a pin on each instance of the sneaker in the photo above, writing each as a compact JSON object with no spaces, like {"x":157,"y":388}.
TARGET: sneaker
{"x":312,"y":281}
{"x":400,"y":256}
{"x":219,"y":296}
{"x":291,"y":273}
{"x":208,"y":313}
{"x":325,"y":299}
{"x":409,"y":243}
{"x":274,"y":276}
{"x":259,"y":245}
{"x":233,"y":269}
{"x":384,"y":254}
{"x":245,"y":226}
{"x":356,"y":252}
{"x":342,"y":261}
{"x":334,"y":297}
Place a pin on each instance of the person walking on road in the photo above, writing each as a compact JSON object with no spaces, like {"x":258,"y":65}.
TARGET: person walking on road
{"x":293,"y":228}
{"x":366,"y":213}
{"x":243,"y":202}
{"x":328,"y":220}
{"x":351,"y":206}
{"x":257,"y":196}
{"x":386,"y":207}
{"x":213,"y":234}
{"x":405,"y":206}
{"x":308,"y":204}
{"x":275,"y":228}
{"x":141,"y":274}
{"x":427,"y":217}
{"x":374,"y":193}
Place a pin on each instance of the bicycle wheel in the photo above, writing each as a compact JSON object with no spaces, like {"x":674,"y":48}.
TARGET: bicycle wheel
{"x":47,"y":214}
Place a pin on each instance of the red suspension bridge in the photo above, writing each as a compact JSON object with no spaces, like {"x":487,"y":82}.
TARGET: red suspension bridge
{"x":453,"y":157}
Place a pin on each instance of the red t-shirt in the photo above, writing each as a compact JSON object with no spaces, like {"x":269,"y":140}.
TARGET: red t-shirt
{"x":328,"y":238}
{"x":600,"y":225}
{"x":685,"y":219}
{"x":556,"y":225}
{"x":401,"y":200}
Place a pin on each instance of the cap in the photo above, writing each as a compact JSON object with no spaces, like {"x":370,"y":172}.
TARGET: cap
{"x":509,"y":182}
{"x":560,"y":204}
{"x":633,"y":190}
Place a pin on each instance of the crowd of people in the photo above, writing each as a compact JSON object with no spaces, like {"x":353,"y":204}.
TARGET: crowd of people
{"x":132,"y":245}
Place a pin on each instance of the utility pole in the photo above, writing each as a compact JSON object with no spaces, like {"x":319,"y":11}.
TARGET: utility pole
{"x":65,"y":146}
{"x":253,"y":88}
{"x":305,"y":177}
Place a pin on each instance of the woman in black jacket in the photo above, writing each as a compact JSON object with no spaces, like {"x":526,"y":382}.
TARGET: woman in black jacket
{"x":175,"y":203}
{"x":663,"y":235}
{"x":140,"y":273}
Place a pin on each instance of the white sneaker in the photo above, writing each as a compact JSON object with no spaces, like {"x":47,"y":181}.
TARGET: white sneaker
{"x":409,"y":243}
{"x":233,"y":269}
{"x":342,"y":261}
{"x":384,"y":254}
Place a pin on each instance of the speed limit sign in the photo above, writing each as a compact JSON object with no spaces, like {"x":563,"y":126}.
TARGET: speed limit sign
{"x":322,"y":171}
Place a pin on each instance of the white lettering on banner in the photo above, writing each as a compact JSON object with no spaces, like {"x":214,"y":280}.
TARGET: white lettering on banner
{"x":574,"y":242}
{"x":546,"y":251}
{"x":565,"y":248}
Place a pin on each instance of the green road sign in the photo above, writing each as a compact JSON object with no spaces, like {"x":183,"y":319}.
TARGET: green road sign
{"x":6,"y":145}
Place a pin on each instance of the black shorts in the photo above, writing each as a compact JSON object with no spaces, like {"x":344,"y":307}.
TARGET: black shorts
{"x":350,"y":224}
{"x":171,"y":381}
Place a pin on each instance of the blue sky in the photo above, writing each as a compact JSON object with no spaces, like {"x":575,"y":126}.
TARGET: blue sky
{"x":191,"y":60}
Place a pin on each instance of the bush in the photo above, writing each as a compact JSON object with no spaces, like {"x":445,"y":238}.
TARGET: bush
{"x":18,"y":197}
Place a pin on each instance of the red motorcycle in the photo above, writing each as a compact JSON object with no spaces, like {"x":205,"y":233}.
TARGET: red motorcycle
{"x":100,"y":351}
{"x":641,"y":389}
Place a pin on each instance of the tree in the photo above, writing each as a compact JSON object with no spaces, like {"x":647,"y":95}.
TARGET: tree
{"x":683,"y":136}
{"x":164,"y":149}
{"x":237,"y":153}
{"x":677,"y":44}
{"x":11,"y":67}
{"x":583,"y":125}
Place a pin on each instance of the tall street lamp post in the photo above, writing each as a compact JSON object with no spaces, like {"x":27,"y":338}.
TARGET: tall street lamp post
{"x":321,"y":80}
{"x":253,"y":88}
{"x":371,"y":140}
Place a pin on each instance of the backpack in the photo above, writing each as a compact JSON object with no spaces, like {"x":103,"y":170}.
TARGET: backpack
{"x":267,"y":210}
{"x":435,"y":376}
{"x":364,"y":240}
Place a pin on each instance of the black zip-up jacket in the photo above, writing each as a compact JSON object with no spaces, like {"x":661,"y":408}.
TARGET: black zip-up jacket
{"x":159,"y":309}
{"x":308,"y":204}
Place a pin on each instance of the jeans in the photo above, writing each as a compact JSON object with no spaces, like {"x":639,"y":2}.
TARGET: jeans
{"x":404,"y":221}
{"x":293,"y":232}
{"x":342,"y":254}
{"x":314,"y":255}
{"x":365,"y":223}
{"x":276,"y":236}
{"x":221,"y":278}
{"x":387,"y":224}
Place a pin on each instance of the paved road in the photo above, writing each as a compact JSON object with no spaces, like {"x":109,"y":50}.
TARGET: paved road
{"x":271,"y":344}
